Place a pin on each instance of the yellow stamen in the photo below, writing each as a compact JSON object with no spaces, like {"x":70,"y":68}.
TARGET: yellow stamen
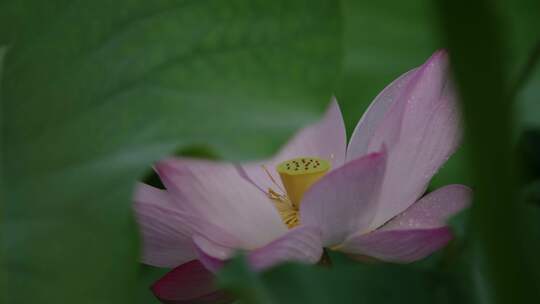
{"x":272,"y":178}
{"x":299,"y":174}
{"x":288,"y":213}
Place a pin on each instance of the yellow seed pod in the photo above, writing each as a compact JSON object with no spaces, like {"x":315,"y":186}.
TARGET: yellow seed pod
{"x":299,"y":174}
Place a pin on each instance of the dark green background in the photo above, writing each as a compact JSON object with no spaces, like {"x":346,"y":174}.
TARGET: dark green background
{"x":93,"y":92}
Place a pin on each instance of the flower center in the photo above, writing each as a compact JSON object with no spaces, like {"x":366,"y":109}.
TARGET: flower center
{"x":297,"y":175}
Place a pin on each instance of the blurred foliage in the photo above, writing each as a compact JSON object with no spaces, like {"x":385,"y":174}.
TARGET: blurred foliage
{"x":528,"y":156}
{"x":483,"y":73}
{"x":528,"y":104}
{"x":147,"y":276}
{"x":344,"y":282}
{"x":531,"y":193}
{"x":529,"y":153}
{"x":3,"y":275}
{"x":381,"y":41}
{"x":93,"y":92}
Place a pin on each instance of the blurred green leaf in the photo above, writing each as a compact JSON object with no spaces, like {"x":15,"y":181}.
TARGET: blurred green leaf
{"x":531,"y":217}
{"x":456,"y":170}
{"x":381,"y":42}
{"x":3,"y":276}
{"x":529,"y":154}
{"x":498,"y":227}
{"x":147,"y":276}
{"x":459,"y":222}
{"x":528,"y":101}
{"x":95,"y":91}
{"x":345,"y":282}
{"x":245,"y":284}
{"x":531,"y":193}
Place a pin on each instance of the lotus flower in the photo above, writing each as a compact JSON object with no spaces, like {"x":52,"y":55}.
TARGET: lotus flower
{"x":364,"y":199}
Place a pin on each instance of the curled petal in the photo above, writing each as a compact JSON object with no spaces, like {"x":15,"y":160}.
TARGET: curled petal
{"x":211,"y":248}
{"x":211,"y":263}
{"x":398,"y":246}
{"x":189,"y":283}
{"x":345,"y":200}
{"x":301,"y":244}
{"x":214,"y":193}
{"x":433,"y":210}
{"x":415,"y":233}
{"x":421,"y":129}
{"x":166,"y":238}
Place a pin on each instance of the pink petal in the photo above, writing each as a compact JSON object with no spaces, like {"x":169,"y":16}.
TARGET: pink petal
{"x":211,"y":263}
{"x":415,"y":233}
{"x":344,"y":201}
{"x":166,"y":239}
{"x":301,"y":244}
{"x":433,"y":210}
{"x":398,"y":246}
{"x":189,"y":283}
{"x":212,"y":248}
{"x":421,"y":130}
{"x":325,"y":139}
{"x":215,"y":195}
